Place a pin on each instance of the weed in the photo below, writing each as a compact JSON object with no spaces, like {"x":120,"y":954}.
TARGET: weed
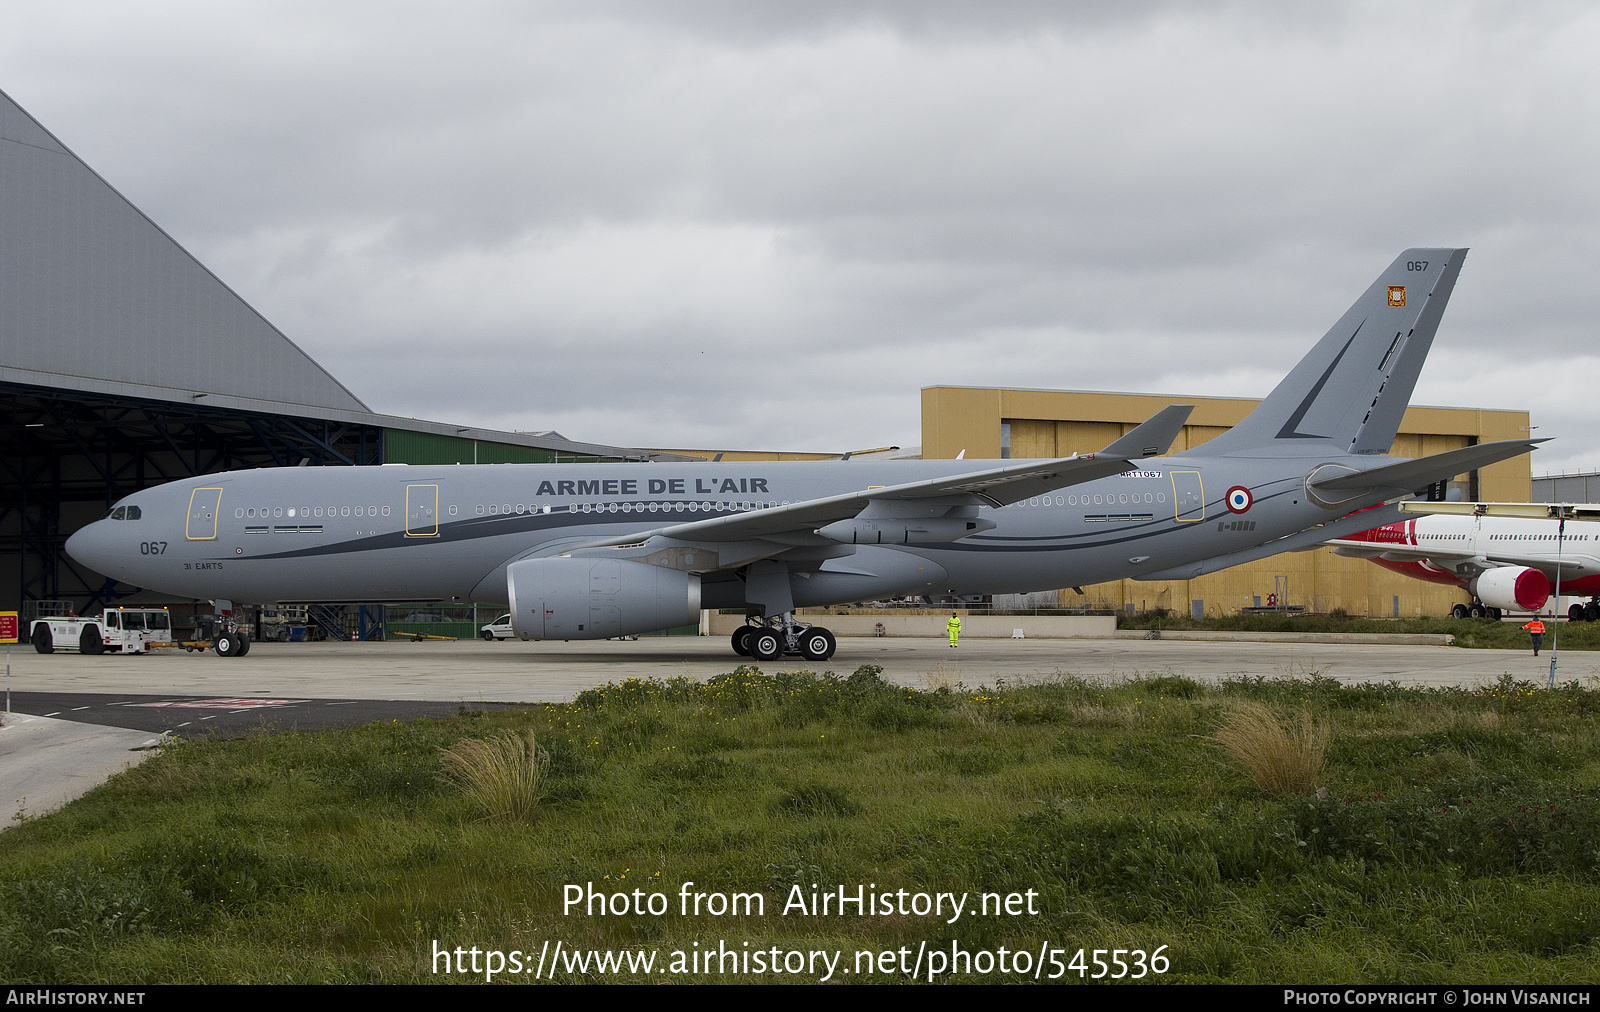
{"x":501,"y":775}
{"x":817,"y":799}
{"x":1280,"y":758}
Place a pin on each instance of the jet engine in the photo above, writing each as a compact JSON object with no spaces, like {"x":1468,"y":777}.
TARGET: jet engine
{"x":1512,"y":587}
{"x":591,"y":599}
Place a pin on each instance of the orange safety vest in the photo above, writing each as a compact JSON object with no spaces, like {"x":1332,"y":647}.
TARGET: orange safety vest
{"x":1535,"y":626}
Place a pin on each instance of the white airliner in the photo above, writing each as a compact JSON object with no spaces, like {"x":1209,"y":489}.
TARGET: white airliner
{"x":590,"y":551}
{"x":1508,"y":561}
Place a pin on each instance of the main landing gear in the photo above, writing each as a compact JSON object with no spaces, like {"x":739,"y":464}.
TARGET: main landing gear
{"x":770,"y":639}
{"x":1476,"y":609}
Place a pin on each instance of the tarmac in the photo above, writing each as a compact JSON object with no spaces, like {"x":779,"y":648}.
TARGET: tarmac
{"x":72,"y":737}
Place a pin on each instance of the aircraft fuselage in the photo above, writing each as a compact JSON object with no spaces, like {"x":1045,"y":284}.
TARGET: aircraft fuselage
{"x":413,"y":533}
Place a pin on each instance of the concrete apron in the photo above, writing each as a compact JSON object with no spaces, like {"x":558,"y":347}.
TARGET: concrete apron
{"x":46,"y":762}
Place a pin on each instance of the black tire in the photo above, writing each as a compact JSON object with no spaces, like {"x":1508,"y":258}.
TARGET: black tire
{"x":1459,"y":611}
{"x":1591,"y":612}
{"x":817,"y":644}
{"x":765,"y":645}
{"x":226,"y":645}
{"x":43,"y":641}
{"x":244,"y":643}
{"x":741,"y":640}
{"x":1476,"y":611}
{"x":1575,"y":613}
{"x":282,"y":636}
{"x":488,"y":636}
{"x":89,"y":641}
{"x":1494,"y":614}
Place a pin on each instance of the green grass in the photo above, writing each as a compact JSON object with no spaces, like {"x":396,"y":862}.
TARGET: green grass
{"x":1469,"y":632}
{"x":1458,"y":838}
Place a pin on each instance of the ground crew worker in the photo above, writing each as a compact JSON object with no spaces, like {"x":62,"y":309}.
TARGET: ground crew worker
{"x":1536,"y":630}
{"x":954,"y":625}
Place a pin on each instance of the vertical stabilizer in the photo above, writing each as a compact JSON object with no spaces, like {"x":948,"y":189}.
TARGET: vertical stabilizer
{"x":1351,"y":390}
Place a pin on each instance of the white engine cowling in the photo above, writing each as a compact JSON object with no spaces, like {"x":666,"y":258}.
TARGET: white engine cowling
{"x":592,"y":599}
{"x":1512,"y":587}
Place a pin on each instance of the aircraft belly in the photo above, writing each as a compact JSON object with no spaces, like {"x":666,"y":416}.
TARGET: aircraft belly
{"x":871,"y":572}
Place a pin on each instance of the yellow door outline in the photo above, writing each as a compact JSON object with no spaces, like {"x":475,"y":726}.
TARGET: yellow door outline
{"x":422,"y":511}
{"x":1178,"y":502}
{"x":203,"y":510}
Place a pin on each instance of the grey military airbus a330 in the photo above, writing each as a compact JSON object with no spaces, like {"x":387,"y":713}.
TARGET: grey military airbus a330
{"x":590,"y":551}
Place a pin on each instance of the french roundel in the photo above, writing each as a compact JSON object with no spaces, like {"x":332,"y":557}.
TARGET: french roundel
{"x":1239,"y":499}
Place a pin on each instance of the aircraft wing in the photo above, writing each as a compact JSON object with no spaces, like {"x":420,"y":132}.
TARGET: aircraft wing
{"x":1399,"y":553}
{"x":1000,"y":486}
{"x":995,"y":487}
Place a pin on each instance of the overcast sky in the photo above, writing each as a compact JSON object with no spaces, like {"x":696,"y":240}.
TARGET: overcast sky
{"x":769,"y":225}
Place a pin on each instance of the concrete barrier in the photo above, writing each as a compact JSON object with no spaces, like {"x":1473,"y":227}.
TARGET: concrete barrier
{"x":1233,"y":636}
{"x":1047,"y":627}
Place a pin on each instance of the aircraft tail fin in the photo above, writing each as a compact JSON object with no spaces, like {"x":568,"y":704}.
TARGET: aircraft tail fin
{"x":1351,"y":390}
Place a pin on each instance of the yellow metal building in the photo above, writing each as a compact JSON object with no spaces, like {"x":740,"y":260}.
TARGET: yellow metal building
{"x":987,"y":423}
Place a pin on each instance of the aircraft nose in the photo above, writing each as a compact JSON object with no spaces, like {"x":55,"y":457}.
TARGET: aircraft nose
{"x":91,"y":546}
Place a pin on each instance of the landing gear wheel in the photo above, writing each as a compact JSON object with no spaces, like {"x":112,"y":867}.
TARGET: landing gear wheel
{"x":89,"y":641}
{"x":1494,"y":613}
{"x":1476,"y":611}
{"x":1575,"y":613}
{"x":1459,"y":611}
{"x":765,"y":645}
{"x":226,"y":645}
{"x":43,"y":642}
{"x":1591,"y":612}
{"x":741,"y":640}
{"x":488,"y":636}
{"x":244,"y":643}
{"x":817,"y":644}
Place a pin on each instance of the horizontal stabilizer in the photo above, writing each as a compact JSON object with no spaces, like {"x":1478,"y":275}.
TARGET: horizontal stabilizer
{"x":1353,"y":523}
{"x":1152,"y":437}
{"x":1411,"y":474}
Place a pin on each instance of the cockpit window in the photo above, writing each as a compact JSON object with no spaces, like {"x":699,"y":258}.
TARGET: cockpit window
{"x":133,"y":513}
{"x":118,"y":513}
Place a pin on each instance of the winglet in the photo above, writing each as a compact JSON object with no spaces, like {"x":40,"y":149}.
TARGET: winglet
{"x":1152,"y":437}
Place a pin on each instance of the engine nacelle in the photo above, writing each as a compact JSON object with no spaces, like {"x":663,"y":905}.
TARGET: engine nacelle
{"x":593,"y":599}
{"x":1512,"y":587}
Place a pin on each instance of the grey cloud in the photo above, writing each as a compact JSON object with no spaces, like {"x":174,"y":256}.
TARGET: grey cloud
{"x":758,"y":224}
